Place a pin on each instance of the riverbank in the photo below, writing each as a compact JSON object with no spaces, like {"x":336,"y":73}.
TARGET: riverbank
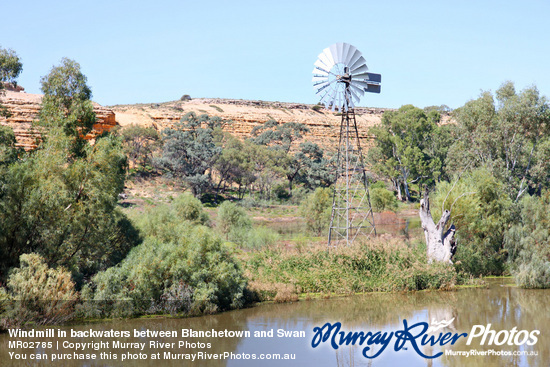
{"x":285,"y":274}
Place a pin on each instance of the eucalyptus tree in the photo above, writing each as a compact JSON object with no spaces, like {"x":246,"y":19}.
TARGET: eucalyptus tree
{"x":10,"y":68}
{"x":405,"y":149}
{"x":508,"y":134}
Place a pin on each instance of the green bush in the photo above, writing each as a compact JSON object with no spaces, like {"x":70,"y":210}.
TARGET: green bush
{"x":259,"y":237}
{"x":316,"y":210}
{"x":187,"y":207}
{"x":528,"y":243}
{"x":38,"y":294}
{"x":233,"y":222}
{"x":382,"y":199}
{"x":481,"y":214}
{"x":193,"y":275}
{"x":168,"y":222}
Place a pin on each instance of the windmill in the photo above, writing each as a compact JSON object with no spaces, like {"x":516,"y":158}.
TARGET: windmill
{"x":341,"y":78}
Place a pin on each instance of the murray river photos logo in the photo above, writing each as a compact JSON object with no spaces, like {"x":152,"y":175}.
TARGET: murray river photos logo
{"x":416,"y":336}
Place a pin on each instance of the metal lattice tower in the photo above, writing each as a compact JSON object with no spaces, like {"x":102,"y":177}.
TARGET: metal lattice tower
{"x":340,"y":78}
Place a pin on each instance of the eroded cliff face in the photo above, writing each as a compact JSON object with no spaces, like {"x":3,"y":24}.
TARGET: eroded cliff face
{"x":324,"y":125}
{"x":24,"y":109}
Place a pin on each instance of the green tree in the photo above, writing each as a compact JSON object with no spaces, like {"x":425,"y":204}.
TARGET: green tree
{"x":190,"y":150}
{"x":404,"y":150}
{"x":316,"y":170}
{"x":10,"y":68}
{"x":139,"y":144}
{"x":481,"y":215}
{"x":60,"y":200}
{"x":316,"y":210}
{"x":235,"y":165}
{"x":65,"y":208}
{"x":193,"y":274}
{"x":508,"y":135}
{"x":66,"y":104}
{"x":233,"y":222}
{"x":528,"y":242}
{"x":280,"y":138}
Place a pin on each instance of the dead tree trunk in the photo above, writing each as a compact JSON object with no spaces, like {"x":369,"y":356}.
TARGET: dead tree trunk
{"x":441,"y":244}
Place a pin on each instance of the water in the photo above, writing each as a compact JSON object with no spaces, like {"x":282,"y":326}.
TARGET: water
{"x":501,"y":305}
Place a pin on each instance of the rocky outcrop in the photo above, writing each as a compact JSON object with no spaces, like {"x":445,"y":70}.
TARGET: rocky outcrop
{"x":324,"y":125}
{"x":24,"y":109}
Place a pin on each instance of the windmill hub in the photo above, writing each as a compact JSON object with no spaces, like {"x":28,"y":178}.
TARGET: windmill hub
{"x":341,"y":77}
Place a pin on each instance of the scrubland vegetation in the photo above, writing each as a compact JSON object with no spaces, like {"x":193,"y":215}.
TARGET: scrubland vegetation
{"x":249,"y":218}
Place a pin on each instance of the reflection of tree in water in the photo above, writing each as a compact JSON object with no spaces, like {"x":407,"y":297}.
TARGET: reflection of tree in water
{"x":503,"y":307}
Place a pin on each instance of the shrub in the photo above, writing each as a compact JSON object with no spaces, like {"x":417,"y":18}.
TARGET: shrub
{"x":316,"y":210}
{"x":382,"y":199}
{"x":168,"y":223}
{"x":280,"y":192}
{"x":38,"y":294}
{"x":187,"y":207}
{"x":259,"y":237}
{"x":194,"y":275}
{"x":233,"y":221}
{"x":481,"y":214}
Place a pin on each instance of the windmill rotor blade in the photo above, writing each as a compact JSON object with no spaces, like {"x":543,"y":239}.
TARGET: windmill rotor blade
{"x":356,"y":55}
{"x":334,"y":52}
{"x":325,"y":60}
{"x":332,"y":98}
{"x":340,"y":51}
{"x":320,"y":70}
{"x":357,"y":90}
{"x":350,"y":52}
{"x":359,"y":62}
{"x":323,"y":87}
{"x":354,"y":96}
{"x":360,"y":69}
{"x":316,"y":78}
{"x":318,"y":83}
{"x":329,"y":56}
{"x":346,"y":53}
{"x":322,"y":65}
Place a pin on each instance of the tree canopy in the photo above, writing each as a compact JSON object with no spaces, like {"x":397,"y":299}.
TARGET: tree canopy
{"x":509,"y":134}
{"x":406,"y":148}
{"x":66,"y":103}
{"x":10,"y":68}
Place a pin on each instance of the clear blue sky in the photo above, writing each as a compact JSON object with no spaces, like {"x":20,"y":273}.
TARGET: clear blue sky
{"x":428,"y":52}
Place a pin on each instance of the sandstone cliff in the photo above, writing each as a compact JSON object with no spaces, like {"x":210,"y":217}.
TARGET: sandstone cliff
{"x":24,"y":109}
{"x":324,"y":125}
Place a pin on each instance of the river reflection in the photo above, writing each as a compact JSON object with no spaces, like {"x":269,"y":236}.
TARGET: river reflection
{"x":501,"y":305}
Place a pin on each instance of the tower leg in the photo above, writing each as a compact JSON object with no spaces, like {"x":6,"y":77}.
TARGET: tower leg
{"x":352,"y":214}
